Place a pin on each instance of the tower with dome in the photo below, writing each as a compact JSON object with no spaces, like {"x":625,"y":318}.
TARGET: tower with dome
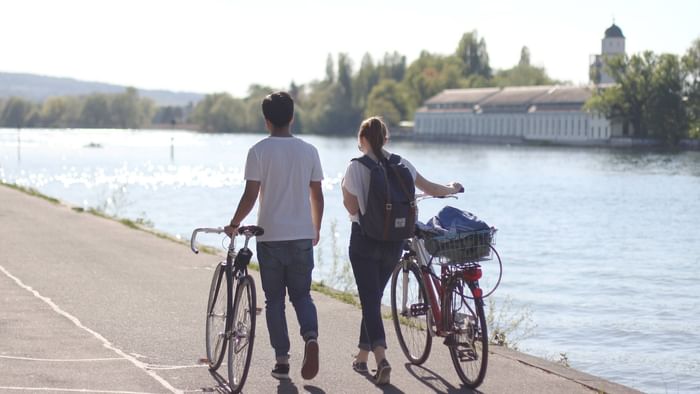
{"x":613,"y":45}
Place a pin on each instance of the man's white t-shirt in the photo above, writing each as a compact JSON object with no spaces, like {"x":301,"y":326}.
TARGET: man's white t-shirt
{"x":356,"y":182}
{"x":284,"y":166}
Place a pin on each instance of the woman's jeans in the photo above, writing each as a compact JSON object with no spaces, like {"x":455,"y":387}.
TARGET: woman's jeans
{"x":372,"y":264}
{"x":287,"y":265}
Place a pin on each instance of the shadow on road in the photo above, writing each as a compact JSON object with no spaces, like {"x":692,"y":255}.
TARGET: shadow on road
{"x":222,"y":384}
{"x":288,"y":387}
{"x":434,"y":381}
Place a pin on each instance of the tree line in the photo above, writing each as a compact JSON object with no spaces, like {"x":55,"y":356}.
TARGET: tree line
{"x":122,"y":110}
{"x":387,"y":86}
{"x":658,"y":95}
{"x":335,"y":104}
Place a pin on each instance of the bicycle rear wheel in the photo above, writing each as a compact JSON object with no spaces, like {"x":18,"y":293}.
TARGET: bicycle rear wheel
{"x":410,"y":312}
{"x":468,"y":340}
{"x":216,"y":318}
{"x":240,"y":346}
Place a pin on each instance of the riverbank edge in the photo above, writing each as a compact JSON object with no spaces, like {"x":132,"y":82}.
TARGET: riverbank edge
{"x":623,"y":143}
{"x":590,"y":381}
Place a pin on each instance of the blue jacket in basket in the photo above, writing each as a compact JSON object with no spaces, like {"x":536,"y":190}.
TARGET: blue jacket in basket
{"x":457,"y":235}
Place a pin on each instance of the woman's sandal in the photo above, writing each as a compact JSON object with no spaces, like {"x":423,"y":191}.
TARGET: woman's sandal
{"x":383,"y":374}
{"x":360,"y":367}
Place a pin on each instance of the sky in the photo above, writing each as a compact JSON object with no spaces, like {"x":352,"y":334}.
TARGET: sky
{"x":208,"y":46}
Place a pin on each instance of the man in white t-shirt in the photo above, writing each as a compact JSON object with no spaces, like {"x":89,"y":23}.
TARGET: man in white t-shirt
{"x":286,"y":173}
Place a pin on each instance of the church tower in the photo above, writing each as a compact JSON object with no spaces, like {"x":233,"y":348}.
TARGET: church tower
{"x":613,"y":45}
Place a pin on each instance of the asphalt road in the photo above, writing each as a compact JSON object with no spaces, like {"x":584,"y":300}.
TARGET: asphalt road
{"x":90,"y":305}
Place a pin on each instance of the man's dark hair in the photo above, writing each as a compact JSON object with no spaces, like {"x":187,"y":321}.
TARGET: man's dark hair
{"x":278,"y":108}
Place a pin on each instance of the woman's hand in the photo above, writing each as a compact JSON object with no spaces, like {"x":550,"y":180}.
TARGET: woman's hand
{"x":456,"y":187}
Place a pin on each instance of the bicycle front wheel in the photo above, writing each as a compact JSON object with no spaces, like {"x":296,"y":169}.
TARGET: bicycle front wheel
{"x":468,"y":339}
{"x":216,"y":318}
{"x":240,"y":345}
{"x":410,"y":312}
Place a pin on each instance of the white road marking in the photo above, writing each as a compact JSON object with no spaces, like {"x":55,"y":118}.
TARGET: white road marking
{"x":64,"y":360}
{"x":168,"y":367}
{"x":55,"y":389}
{"x":141,"y":365}
{"x":89,"y":360}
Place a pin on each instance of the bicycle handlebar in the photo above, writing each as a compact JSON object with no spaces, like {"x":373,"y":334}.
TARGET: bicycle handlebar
{"x":423,"y":196}
{"x":248,"y":231}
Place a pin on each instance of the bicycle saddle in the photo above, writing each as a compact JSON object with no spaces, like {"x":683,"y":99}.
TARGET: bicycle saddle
{"x":255,"y":230}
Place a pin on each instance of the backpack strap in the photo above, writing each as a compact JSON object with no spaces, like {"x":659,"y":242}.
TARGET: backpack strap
{"x":394,"y":159}
{"x":366,"y":161}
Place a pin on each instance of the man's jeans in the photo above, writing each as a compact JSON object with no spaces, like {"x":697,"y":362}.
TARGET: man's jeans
{"x":287,"y":265}
{"x":372,"y":264}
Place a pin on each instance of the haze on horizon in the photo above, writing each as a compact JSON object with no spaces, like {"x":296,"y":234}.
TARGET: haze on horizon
{"x":215,"y":45}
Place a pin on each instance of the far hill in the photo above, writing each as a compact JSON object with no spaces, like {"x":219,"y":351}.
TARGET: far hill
{"x":38,"y":87}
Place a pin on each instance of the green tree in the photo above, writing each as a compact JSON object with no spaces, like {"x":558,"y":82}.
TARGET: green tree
{"x":389,"y":100}
{"x":330,"y":69}
{"x":667,"y":118}
{"x":129,"y":111}
{"x":95,"y":111}
{"x":524,"y":57}
{"x":62,"y":111}
{"x":475,"y":58}
{"x":648,"y":94}
{"x":691,"y":66}
{"x":367,"y":76}
{"x":18,"y":113}
{"x":219,"y":112}
{"x":429,"y":75}
{"x":252,"y":119}
{"x":524,"y":74}
{"x":393,"y":66}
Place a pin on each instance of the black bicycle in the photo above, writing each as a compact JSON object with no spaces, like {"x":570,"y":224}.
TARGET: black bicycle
{"x":231,"y":311}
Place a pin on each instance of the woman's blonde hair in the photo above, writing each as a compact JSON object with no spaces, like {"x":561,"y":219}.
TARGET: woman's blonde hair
{"x":376,"y":133}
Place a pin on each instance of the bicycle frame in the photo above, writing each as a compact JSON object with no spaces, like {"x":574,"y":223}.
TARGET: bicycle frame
{"x":230,"y":270}
{"x":434,"y":283}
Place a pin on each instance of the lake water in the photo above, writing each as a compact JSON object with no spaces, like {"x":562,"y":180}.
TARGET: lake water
{"x":602,"y":247}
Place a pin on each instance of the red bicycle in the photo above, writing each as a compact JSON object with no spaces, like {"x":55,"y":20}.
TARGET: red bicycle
{"x":448,"y":304}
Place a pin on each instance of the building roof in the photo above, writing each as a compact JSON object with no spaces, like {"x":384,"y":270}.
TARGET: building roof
{"x":510,"y":99}
{"x":613,"y":31}
{"x":564,"y":95}
{"x":520,"y":95}
{"x":464,"y":96}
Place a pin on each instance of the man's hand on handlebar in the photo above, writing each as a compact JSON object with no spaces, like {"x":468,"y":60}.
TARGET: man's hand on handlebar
{"x":230,"y":229}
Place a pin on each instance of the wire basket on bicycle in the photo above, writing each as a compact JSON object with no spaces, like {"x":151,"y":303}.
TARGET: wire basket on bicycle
{"x":456,"y":236}
{"x":461,"y":247}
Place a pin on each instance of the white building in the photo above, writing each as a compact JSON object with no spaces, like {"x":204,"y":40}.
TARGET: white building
{"x":515,"y":114}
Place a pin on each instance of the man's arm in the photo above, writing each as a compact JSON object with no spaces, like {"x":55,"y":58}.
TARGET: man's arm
{"x":250,"y":195}
{"x":316,"y":198}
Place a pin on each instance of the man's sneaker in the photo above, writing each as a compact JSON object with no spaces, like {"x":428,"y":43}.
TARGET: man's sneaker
{"x":281,"y":371}
{"x":383,"y":374}
{"x":309,"y":368}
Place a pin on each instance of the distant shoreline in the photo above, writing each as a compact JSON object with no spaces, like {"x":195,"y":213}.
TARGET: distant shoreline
{"x":613,"y":143}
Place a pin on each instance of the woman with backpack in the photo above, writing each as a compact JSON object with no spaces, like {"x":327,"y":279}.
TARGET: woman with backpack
{"x":379,"y":194}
